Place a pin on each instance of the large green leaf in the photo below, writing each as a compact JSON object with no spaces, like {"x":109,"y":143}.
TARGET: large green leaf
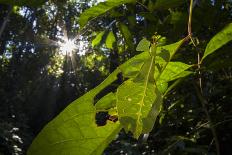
{"x":218,"y":40}
{"x":74,"y":130}
{"x":134,"y":106}
{"x":100,"y":9}
{"x":33,"y":3}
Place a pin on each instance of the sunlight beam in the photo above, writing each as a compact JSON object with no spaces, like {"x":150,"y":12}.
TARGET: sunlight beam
{"x":67,"y":47}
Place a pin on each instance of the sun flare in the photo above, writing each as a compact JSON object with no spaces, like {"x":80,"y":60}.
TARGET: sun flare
{"x":67,"y":47}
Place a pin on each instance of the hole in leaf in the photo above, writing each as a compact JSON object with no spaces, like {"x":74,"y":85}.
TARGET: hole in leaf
{"x":101,"y":118}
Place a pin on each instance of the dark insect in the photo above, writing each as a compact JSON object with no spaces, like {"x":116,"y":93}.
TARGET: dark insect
{"x":113,"y":118}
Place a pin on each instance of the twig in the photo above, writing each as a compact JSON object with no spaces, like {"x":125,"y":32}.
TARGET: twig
{"x":212,"y":128}
{"x":194,"y":44}
{"x":144,"y":6}
{"x":200,"y":92}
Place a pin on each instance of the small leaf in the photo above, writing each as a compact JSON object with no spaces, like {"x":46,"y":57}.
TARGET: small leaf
{"x":132,"y":67}
{"x":143,"y":45}
{"x":106,"y":102}
{"x":173,"y":71}
{"x":98,"y":38}
{"x":218,"y":40}
{"x":171,"y":48}
{"x":164,"y":54}
{"x":110,"y":40}
{"x":126,"y":35}
{"x":100,"y":9}
{"x":162,"y":86}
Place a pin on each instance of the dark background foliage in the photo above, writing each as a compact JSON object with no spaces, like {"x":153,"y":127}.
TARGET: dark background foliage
{"x":36,"y":83}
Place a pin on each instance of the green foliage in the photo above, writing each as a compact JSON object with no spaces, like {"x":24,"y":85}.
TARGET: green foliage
{"x":144,"y":86}
{"x":137,"y":109}
{"x":74,"y":132}
{"x":106,"y":102}
{"x":173,"y":71}
{"x":143,"y":45}
{"x":76,"y":126}
{"x":126,"y":34}
{"x":219,"y":40}
{"x":134,"y":106}
{"x":98,"y":38}
{"x":110,"y":40}
{"x":100,"y":9}
{"x":33,"y":3}
{"x":164,"y":4}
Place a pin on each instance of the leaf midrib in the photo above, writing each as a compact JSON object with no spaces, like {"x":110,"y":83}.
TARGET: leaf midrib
{"x":144,"y":92}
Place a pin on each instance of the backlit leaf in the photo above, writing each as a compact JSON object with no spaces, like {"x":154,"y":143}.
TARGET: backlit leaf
{"x":219,"y":40}
{"x":100,"y":9}
{"x":173,"y":71}
{"x":98,"y":38}
{"x":143,"y":45}
{"x":134,"y":106}
{"x":74,"y":130}
{"x":110,"y":40}
{"x":106,"y":102}
{"x":164,"y":54}
{"x":126,"y":34}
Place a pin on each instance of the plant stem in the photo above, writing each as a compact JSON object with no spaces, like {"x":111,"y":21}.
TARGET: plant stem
{"x":212,"y":128}
{"x":200,"y":92}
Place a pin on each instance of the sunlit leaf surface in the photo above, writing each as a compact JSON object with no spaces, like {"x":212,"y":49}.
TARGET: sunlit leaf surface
{"x":74,"y":131}
{"x":99,"y":9}
{"x":219,"y":40}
